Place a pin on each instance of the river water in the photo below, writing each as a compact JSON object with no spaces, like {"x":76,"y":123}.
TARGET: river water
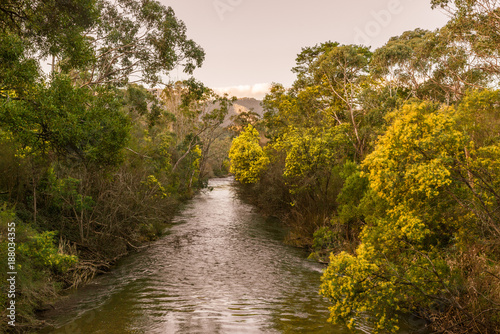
{"x":222,"y":268}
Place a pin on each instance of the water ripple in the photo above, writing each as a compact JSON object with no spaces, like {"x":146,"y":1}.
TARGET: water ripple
{"x":222,"y":269}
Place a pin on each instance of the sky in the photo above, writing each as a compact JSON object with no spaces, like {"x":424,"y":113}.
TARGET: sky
{"x":251,"y":43}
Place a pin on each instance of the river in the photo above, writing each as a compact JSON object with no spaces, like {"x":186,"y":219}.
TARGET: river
{"x":222,"y":268}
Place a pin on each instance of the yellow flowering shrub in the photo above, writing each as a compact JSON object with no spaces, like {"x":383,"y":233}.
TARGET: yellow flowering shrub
{"x":400,"y":262}
{"x":248,"y":159}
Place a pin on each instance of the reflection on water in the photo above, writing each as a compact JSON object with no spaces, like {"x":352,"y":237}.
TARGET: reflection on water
{"x":222,"y":269}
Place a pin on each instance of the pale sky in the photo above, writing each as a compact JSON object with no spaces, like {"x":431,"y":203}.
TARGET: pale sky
{"x":251,"y":43}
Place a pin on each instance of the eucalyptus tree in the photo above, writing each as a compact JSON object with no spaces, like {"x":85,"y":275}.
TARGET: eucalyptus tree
{"x":74,"y":117}
{"x":330,"y":81}
{"x":50,"y":27}
{"x":136,"y":41}
{"x":103,"y":41}
{"x":343,"y":74}
{"x":426,"y":65}
{"x":474,"y":25}
{"x":107,"y":45}
{"x":199,"y":114}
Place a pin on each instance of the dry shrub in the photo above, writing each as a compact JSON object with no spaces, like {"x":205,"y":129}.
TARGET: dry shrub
{"x":127,"y":212}
{"x":301,"y":225}
{"x":474,"y":306}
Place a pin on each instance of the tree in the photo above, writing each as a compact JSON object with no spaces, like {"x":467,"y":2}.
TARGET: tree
{"x":342,"y":72}
{"x":136,"y":41}
{"x":101,"y":42}
{"x":397,"y":264}
{"x":51,"y":27}
{"x":328,"y":92}
{"x":428,"y":202}
{"x":475,"y":23}
{"x":306,"y":59}
{"x":426,"y":65}
{"x":241,"y":120}
{"x":199,"y":113}
{"x":69,"y":121}
{"x":311,"y":157}
{"x":77,"y":111}
{"x":248,"y":159}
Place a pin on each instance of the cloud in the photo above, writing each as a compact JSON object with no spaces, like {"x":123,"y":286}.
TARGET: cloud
{"x":257,"y":91}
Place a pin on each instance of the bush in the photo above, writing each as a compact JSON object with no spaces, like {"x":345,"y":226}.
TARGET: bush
{"x":38,"y":260}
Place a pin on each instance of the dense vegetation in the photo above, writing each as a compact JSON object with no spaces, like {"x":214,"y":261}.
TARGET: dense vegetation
{"x":92,"y":164}
{"x":387,"y":164}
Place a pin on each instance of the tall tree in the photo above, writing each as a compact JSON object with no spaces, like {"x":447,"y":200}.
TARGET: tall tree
{"x":427,"y":65}
{"x":474,"y":23}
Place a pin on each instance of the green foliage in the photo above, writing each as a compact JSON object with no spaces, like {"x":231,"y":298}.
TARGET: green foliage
{"x":43,"y":254}
{"x":69,"y":121}
{"x":241,"y":120}
{"x":65,"y":193}
{"x":102,"y":42}
{"x":474,"y":24}
{"x":353,"y":191}
{"x":248,"y":159}
{"x":309,"y":55}
{"x":312,"y":154}
{"x":38,"y":261}
{"x":141,"y":38}
{"x":389,"y":161}
{"x":324,"y":238}
{"x":139,"y":101}
{"x":427,"y":65}
{"x":18,"y":73}
{"x":52,"y":27}
{"x":86,"y":157}
{"x":404,"y":260}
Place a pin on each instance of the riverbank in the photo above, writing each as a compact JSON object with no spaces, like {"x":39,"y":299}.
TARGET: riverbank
{"x":46,"y":274}
{"x":124,"y":170}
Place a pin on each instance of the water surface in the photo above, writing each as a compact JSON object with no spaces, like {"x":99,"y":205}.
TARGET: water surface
{"x":223,"y":268}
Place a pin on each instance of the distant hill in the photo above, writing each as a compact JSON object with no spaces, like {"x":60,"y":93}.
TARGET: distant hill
{"x":245,"y":104}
